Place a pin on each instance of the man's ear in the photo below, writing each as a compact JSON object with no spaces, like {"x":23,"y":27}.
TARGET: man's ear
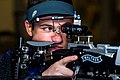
{"x":28,"y":28}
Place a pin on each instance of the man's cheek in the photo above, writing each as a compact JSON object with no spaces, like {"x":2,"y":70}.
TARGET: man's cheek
{"x":44,"y":38}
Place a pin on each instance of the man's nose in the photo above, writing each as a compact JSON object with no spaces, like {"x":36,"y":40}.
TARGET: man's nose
{"x":57,"y":37}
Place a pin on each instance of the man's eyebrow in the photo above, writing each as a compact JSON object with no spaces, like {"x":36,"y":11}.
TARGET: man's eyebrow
{"x":45,"y":25}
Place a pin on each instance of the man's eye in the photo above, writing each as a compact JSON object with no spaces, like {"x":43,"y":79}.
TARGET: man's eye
{"x":47,"y":29}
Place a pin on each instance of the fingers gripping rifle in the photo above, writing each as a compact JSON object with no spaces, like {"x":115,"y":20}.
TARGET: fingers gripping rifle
{"x":96,"y":62}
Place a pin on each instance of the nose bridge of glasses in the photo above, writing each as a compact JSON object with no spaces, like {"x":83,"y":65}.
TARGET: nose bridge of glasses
{"x":56,"y":26}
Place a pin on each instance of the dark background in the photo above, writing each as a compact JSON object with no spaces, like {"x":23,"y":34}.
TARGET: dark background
{"x":101,"y":16}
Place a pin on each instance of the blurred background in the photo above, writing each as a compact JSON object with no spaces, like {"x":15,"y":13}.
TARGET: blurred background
{"x":101,"y":16}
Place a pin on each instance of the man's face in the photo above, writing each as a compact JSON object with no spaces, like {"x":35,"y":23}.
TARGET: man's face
{"x":50,"y":30}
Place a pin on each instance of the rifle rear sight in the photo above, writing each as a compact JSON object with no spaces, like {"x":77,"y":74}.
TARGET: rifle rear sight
{"x":81,"y":32}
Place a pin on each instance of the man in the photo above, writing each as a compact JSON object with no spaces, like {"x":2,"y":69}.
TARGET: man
{"x":42,"y":30}
{"x":43,"y":23}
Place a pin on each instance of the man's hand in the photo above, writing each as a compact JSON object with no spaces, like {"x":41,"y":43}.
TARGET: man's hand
{"x":59,"y":68}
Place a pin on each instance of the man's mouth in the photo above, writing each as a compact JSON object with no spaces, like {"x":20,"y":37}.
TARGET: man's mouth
{"x":56,"y":47}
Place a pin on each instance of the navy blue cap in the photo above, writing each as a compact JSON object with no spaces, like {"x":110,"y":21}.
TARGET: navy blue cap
{"x":49,"y":8}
